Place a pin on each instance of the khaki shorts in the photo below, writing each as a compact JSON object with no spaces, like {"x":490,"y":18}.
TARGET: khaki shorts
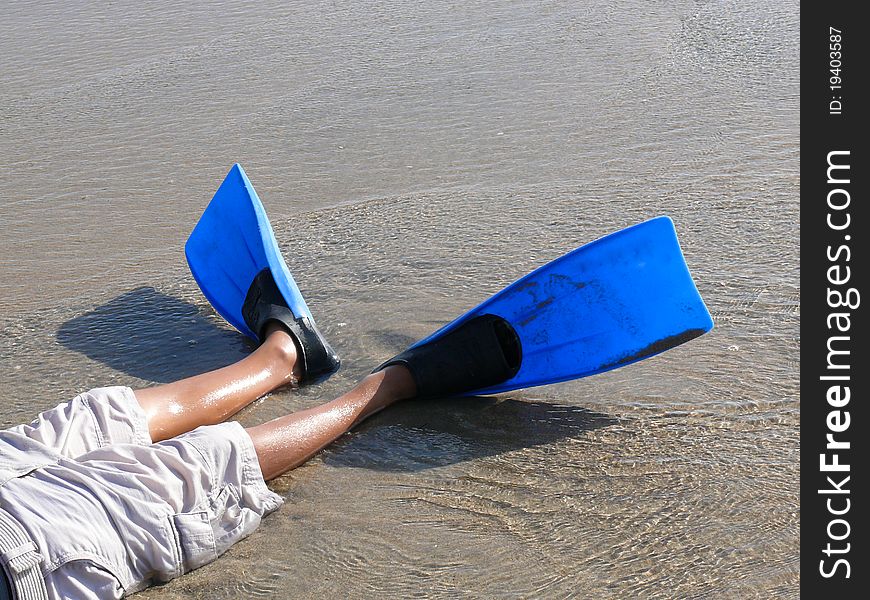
{"x":110,"y":512}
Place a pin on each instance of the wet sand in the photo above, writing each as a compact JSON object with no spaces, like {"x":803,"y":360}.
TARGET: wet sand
{"x":414,"y":159}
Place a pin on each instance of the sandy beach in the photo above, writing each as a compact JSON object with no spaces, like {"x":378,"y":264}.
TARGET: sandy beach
{"x":414,"y":159}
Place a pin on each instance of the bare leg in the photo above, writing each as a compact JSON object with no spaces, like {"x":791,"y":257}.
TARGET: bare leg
{"x":282,"y":443}
{"x":210,"y":398}
{"x":288,"y":441}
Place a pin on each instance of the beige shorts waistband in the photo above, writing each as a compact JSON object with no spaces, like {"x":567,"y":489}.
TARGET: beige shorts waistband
{"x":20,"y":560}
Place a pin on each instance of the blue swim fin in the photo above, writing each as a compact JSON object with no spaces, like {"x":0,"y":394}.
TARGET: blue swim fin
{"x":620,"y":299}
{"x":235,"y":259}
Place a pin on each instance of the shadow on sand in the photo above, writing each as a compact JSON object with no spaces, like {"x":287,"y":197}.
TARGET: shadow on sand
{"x":424,"y":434}
{"x":155,"y":337}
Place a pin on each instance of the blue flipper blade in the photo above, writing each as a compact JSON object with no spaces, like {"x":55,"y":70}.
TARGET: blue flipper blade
{"x":614,"y":301}
{"x":232,"y":242}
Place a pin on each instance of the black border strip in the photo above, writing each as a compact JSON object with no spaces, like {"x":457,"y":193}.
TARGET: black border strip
{"x":833,"y":263}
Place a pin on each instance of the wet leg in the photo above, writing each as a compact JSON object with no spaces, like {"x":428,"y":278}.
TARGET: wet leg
{"x":288,"y":441}
{"x":212,"y":397}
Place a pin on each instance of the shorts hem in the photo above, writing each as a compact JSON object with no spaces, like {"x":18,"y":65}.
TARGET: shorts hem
{"x":252,"y":475}
{"x":252,"y":472}
{"x":133,"y":429}
{"x":141,"y":432}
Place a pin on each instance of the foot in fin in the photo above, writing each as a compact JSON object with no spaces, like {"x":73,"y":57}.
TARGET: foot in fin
{"x":234,"y":257}
{"x":264,"y":303}
{"x":614,"y":301}
{"x":482,"y":352}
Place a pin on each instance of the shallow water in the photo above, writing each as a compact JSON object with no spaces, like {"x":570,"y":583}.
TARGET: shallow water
{"x":415,"y":158}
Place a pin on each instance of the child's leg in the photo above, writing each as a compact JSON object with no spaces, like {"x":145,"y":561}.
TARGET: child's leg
{"x":282,"y":443}
{"x":288,"y":441}
{"x":212,"y":397}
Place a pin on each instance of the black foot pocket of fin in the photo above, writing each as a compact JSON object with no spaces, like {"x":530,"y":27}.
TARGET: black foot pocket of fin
{"x":480,"y":353}
{"x":264,"y":303}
